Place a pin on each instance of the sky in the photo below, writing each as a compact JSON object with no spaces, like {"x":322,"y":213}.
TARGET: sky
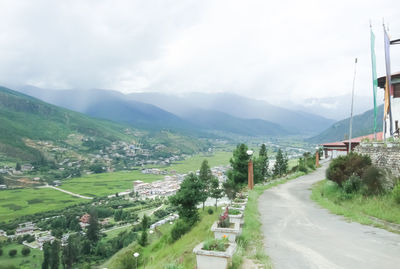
{"x":278,"y":51}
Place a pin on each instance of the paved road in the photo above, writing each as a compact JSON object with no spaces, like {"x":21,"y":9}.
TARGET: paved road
{"x":300,"y":234}
{"x":67,"y":192}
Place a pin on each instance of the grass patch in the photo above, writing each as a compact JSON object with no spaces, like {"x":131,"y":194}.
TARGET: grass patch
{"x":356,"y":207}
{"x":161,"y":253}
{"x":19,"y":203}
{"x":250,"y":242}
{"x":33,"y":260}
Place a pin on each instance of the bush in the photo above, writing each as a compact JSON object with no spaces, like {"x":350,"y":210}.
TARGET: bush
{"x":1,"y":252}
{"x":372,"y":181}
{"x":352,"y":185}
{"x":216,"y":244}
{"x":180,"y":228}
{"x":173,"y":266}
{"x":210,"y":211}
{"x":12,"y":252}
{"x":343,"y":167}
{"x":396,"y":193}
{"x":26,"y":251}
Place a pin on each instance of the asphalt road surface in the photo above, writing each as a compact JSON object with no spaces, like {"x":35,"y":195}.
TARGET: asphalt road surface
{"x":300,"y":234}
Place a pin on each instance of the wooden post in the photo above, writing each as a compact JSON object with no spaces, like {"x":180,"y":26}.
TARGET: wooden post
{"x":250,"y":172}
{"x":317,"y":158}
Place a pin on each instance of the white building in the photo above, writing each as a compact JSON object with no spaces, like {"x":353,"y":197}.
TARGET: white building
{"x":395,"y":105}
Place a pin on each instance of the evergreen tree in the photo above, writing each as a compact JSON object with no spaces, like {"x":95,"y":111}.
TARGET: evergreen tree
{"x":205,"y":177}
{"x":93,"y":230}
{"x":231,"y":188}
{"x":143,"y":238}
{"x":46,"y":255}
{"x":71,"y":252}
{"x":145,"y":222}
{"x":280,"y":166}
{"x":187,"y":198}
{"x":18,"y":167}
{"x":1,"y":180}
{"x":261,"y":165}
{"x":54,"y":259}
{"x":239,"y":162}
{"x":216,"y":191}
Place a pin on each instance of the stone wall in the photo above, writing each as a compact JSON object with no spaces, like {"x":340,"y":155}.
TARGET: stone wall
{"x":383,"y":155}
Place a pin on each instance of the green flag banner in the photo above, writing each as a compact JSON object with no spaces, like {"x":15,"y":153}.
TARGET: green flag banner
{"x":374,"y":76}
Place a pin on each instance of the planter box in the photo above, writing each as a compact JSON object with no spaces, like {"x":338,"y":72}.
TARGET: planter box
{"x":231,"y":233}
{"x":236,"y":218}
{"x":207,"y":259}
{"x":241,"y":208}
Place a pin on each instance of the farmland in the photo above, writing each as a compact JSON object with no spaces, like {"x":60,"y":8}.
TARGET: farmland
{"x":21,"y":202}
{"x":33,"y":260}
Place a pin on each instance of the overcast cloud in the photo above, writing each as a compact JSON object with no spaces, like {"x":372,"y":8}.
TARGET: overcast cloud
{"x":271,"y":50}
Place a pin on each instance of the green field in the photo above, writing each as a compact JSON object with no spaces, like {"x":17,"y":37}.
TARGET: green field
{"x":106,"y":183}
{"x":20,"y":202}
{"x":32,"y":261}
{"x":193,"y":163}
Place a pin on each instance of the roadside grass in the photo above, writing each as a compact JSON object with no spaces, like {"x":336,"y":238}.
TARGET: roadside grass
{"x":160,"y":252}
{"x":356,"y":207}
{"x":20,"y":202}
{"x":33,"y":260}
{"x":250,"y":242}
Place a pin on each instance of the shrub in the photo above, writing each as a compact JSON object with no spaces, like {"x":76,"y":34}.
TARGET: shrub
{"x":372,"y":181}
{"x":352,"y":185}
{"x":1,"y":252}
{"x":343,"y":167}
{"x":210,"y":211}
{"x":223,"y":221}
{"x":180,"y":228}
{"x":396,"y":193}
{"x":25,"y":251}
{"x":234,"y":212}
{"x":12,"y":252}
{"x":216,"y":244}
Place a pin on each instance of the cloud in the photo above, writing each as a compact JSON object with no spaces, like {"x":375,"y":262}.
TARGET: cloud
{"x":276,"y":51}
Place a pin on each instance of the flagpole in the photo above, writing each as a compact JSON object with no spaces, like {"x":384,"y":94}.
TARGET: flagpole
{"x":374,"y":76}
{"x":352,"y":104}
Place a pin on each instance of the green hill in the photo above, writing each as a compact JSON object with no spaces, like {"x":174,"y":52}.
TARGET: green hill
{"x":25,"y":120}
{"x":362,"y":125}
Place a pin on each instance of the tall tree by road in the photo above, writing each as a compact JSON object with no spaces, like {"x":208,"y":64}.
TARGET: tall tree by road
{"x":93,"y":230}
{"x":205,"y":177}
{"x":261,"y":165}
{"x":239,"y":162}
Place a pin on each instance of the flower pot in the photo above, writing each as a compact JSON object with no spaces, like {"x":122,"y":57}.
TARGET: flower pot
{"x":236,"y":218}
{"x":230,"y":233}
{"x":207,"y":259}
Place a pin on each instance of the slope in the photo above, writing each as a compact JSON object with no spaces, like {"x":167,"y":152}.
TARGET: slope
{"x":362,"y":125}
{"x":23,"y":117}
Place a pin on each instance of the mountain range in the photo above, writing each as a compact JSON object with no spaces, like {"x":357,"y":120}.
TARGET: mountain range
{"x":362,"y":125}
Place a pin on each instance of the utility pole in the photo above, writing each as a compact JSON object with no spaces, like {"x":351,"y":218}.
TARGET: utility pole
{"x":352,"y":104}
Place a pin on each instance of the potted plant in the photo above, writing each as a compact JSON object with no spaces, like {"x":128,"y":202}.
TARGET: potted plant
{"x":214,"y":253}
{"x":225,"y":228}
{"x":235,"y":215}
{"x":238,"y":207}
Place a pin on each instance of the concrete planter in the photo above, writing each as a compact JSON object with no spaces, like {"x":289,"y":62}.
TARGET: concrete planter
{"x":241,"y":208}
{"x":207,"y":259}
{"x":230,"y":233}
{"x":236,"y":218}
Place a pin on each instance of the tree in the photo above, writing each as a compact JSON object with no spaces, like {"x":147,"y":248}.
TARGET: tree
{"x":216,"y":191}
{"x":18,"y":166}
{"x":261,"y":165}
{"x":1,"y":252}
{"x":71,"y":251}
{"x":239,"y":163}
{"x":281,"y":164}
{"x":143,"y":238}
{"x":145,"y":222}
{"x":25,"y":251}
{"x":46,"y":255}
{"x":205,"y":177}
{"x":187,"y":198}
{"x":231,"y":188}
{"x":118,"y":215}
{"x":93,"y":231}
{"x":12,"y":252}
{"x":1,"y":180}
{"x":54,"y":259}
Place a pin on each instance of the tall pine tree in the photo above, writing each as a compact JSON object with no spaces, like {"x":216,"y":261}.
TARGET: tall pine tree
{"x":239,"y":162}
{"x":93,"y":230}
{"x":261,"y":165}
{"x":205,"y":177}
